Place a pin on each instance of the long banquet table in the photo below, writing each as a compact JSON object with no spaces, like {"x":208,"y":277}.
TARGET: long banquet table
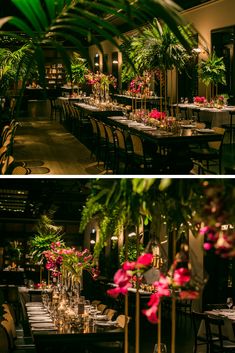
{"x":68,"y":337}
{"x":177,"y":144}
{"x":213,"y":116}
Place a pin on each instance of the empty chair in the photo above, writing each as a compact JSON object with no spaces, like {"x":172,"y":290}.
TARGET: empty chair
{"x":200,"y":339}
{"x":183,"y":112}
{"x":95,"y":138}
{"x":123,"y":151}
{"x":211,"y":153}
{"x":4,"y":345}
{"x":111,"y":313}
{"x":196,"y":114}
{"x":222,"y":344}
{"x":230,"y":127}
{"x":111,"y":149}
{"x":101,"y":308}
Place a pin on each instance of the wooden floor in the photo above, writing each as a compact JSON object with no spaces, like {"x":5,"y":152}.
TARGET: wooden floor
{"x":48,"y":144}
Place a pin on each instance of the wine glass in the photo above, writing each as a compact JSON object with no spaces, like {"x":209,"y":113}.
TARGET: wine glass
{"x":230,"y":302}
{"x":163,"y":348}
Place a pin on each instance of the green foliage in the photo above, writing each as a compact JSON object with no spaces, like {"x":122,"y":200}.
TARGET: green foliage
{"x":81,"y":23}
{"x":78,"y":69}
{"x":122,"y":202}
{"x":157,"y":47}
{"x":46,"y":233}
{"x":14,"y":66}
{"x":131,"y":251}
{"x":212,"y":70}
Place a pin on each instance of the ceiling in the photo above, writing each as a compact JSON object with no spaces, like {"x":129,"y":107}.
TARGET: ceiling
{"x":29,"y":198}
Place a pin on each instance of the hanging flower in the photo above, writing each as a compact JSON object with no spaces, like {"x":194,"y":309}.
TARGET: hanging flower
{"x":130,"y":273}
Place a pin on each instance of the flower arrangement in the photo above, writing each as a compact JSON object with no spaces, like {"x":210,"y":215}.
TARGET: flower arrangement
{"x":178,"y":283}
{"x":140,"y":85}
{"x":199,"y":100}
{"x":101,"y":79}
{"x":155,"y":114}
{"x":59,"y":259}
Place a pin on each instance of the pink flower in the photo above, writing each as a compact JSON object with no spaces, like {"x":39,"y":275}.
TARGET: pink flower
{"x":151,"y":314}
{"x":155,"y":114}
{"x":144,"y":260}
{"x":129,"y":265}
{"x":208,"y":246}
{"x":162,"y":286}
{"x":121,"y":278}
{"x":154,"y":299}
{"x":181,"y":276}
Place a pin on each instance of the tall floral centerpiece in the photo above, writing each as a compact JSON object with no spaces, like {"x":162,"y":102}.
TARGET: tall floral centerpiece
{"x":100,"y":84}
{"x":67,"y":264}
{"x":46,"y":234}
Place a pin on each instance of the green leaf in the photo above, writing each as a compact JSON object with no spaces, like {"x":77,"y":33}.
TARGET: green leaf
{"x":29,"y":11}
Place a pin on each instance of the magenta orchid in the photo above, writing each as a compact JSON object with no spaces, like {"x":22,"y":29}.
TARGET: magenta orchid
{"x":129,"y":273}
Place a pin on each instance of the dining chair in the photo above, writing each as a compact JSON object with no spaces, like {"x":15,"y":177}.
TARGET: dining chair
{"x":4,"y":345}
{"x":110,"y":313}
{"x":196,"y":114}
{"x":95,"y":139}
{"x":111,"y":149}
{"x":222,"y":344}
{"x":102,"y":143}
{"x":199,"y":319}
{"x":123,"y":150}
{"x":101,"y":308}
{"x":211,"y":154}
{"x":183,"y":112}
{"x":230,"y":127}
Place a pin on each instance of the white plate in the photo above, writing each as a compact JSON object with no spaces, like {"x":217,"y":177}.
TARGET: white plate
{"x":43,"y":325}
{"x":205,"y":131}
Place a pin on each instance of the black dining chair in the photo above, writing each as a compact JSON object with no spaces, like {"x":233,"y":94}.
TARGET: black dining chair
{"x":211,"y":154}
{"x":230,"y":127}
{"x":200,"y":339}
{"x":221,"y":344}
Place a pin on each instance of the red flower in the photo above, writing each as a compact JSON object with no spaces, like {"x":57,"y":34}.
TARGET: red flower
{"x":144,"y":260}
{"x":129,"y":265}
{"x":181,"y":276}
{"x":162,"y":287}
{"x":189,"y":294}
{"x":151,"y":314}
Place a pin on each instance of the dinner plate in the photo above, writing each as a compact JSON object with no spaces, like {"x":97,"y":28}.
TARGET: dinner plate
{"x":43,"y":325}
{"x":205,"y":131}
{"x":189,"y":126}
{"x":105,"y":323}
{"x":101,"y":317}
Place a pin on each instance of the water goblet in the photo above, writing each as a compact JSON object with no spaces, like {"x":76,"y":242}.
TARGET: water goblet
{"x":163,"y":348}
{"x":230,"y":302}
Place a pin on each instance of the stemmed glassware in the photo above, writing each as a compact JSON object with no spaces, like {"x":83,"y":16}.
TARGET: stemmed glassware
{"x":230,"y":302}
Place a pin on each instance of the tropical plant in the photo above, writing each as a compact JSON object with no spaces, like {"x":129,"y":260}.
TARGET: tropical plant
{"x":78,"y":70}
{"x":82,"y":23}
{"x":158,"y":49}
{"x":46,"y":234}
{"x":212,"y":71}
{"x":13,"y":67}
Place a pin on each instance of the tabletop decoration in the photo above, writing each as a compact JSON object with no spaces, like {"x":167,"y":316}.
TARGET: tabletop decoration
{"x":100,"y":84}
{"x":200,"y":101}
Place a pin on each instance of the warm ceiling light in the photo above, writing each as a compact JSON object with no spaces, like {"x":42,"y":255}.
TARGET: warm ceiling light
{"x":115,"y":61}
{"x":132,"y":234}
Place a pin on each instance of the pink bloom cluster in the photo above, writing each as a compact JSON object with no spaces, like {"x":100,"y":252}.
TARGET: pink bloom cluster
{"x":164,"y":287}
{"x":198,"y":99}
{"x":217,"y":240}
{"x":155,"y":114}
{"x":58,"y":255}
{"x":130,"y":271}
